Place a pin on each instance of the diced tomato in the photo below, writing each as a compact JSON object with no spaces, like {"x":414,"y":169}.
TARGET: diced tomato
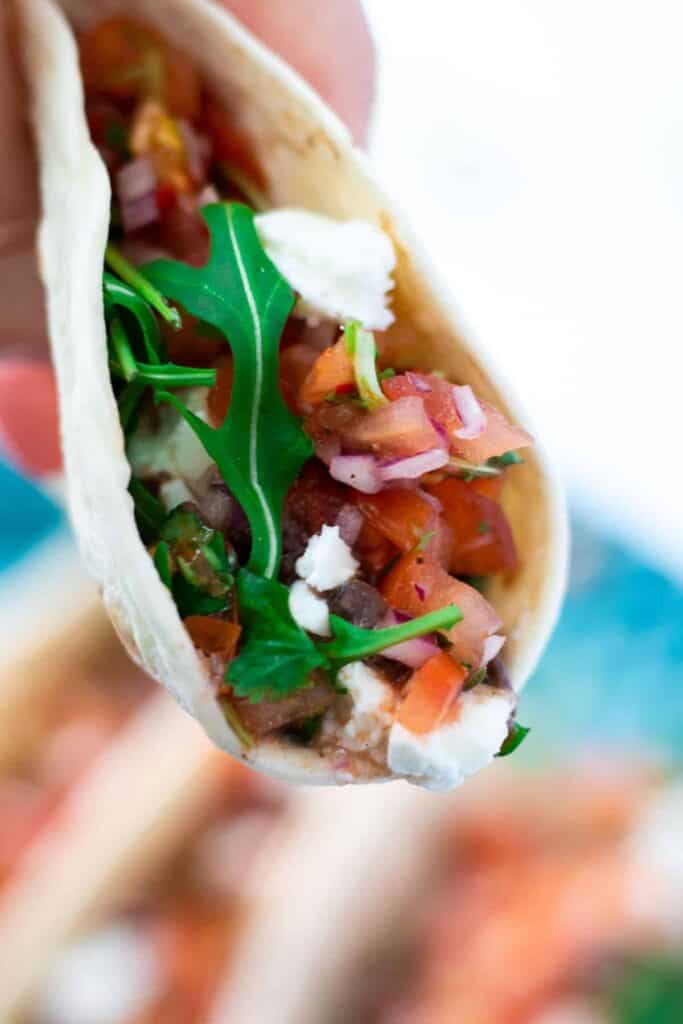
{"x":373,"y":549}
{"x":498,"y":437}
{"x":166,"y":198}
{"x":297,"y":363}
{"x":193,"y":344}
{"x":432,"y":693}
{"x":231,"y":143}
{"x":402,"y":516}
{"x":333,"y":369}
{"x":315,"y":499}
{"x":436,"y":393}
{"x":490,"y":486}
{"x":130,"y":61}
{"x":183,"y":232}
{"x":332,"y":419}
{"x":213,"y":636}
{"x":482,"y":538}
{"x":418,"y":584}
{"x":221,"y":392}
{"x":401,"y":428}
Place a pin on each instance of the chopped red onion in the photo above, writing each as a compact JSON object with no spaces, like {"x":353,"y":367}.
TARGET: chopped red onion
{"x":418,"y":382}
{"x":470,"y":412}
{"x":209,"y":194}
{"x":197,"y":150}
{"x":492,"y":647}
{"x":442,"y":432}
{"x":431,"y":499}
{"x":412,"y":653}
{"x":328,"y":449}
{"x":358,"y":471}
{"x":136,"y":184}
{"x":350,"y":523}
{"x":420,"y":591}
{"x":414,"y":466}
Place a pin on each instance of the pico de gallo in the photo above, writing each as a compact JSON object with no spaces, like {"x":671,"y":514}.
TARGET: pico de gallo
{"x":324,"y":521}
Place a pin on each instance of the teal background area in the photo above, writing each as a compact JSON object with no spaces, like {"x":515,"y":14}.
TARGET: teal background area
{"x":27,"y":516}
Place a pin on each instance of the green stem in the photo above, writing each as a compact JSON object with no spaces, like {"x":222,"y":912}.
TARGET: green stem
{"x":169,"y":375}
{"x":129,"y":273}
{"x":146,"y":505}
{"x":129,"y":399}
{"x":351,"y":643}
{"x":122,"y":349}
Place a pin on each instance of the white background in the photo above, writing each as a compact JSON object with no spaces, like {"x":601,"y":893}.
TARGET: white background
{"x":538,"y":148}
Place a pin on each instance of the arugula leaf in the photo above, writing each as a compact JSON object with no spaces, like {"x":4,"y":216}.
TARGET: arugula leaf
{"x":138,"y":281}
{"x":277,"y":657}
{"x":119,"y":295}
{"x":351,"y":643}
{"x":260,"y":446}
{"x":360,"y":345}
{"x":516,"y":735}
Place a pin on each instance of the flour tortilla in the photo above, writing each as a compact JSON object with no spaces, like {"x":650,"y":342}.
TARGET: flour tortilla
{"x":308,"y":161}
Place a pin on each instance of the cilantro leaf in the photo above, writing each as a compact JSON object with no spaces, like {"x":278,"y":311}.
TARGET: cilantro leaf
{"x":351,"y":643}
{"x":516,"y":735}
{"x":506,"y":459}
{"x":260,"y":446}
{"x":277,"y":657}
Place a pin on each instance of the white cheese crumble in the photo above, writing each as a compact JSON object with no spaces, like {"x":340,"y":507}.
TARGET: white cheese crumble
{"x":445,"y":757}
{"x":372,"y":711}
{"x":173,"y":493}
{"x":341,"y":269}
{"x":108,"y":977}
{"x":308,"y":609}
{"x":173,"y":448}
{"x":327,"y":561}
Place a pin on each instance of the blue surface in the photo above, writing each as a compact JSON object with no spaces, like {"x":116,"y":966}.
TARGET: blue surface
{"x":613,"y":672}
{"x":26,"y":516}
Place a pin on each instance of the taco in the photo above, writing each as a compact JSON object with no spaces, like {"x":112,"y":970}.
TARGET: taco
{"x":305,"y":499}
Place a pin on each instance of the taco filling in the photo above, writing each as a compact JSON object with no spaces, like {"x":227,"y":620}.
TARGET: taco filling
{"x":325,"y":521}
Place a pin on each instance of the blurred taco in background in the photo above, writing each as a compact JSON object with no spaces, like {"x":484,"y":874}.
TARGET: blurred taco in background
{"x":307,"y":503}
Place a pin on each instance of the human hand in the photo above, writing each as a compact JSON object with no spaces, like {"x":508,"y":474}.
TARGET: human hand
{"x":329,"y":44}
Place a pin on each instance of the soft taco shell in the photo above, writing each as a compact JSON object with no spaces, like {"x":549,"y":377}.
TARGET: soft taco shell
{"x":308,"y":161}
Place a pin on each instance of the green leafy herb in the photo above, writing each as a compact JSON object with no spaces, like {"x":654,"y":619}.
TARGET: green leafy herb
{"x":260,"y":446}
{"x":164,"y":563}
{"x":469,"y":471}
{"x":507,"y":459}
{"x":351,"y":643}
{"x":483,"y":527}
{"x":116,"y":137}
{"x":386,"y":374}
{"x":149,"y":513}
{"x":139,"y":282}
{"x":360,"y":344}
{"x":118,"y":295}
{"x":277,"y":657}
{"x":516,"y":735}
{"x":195,"y":565}
{"x":475,"y":679}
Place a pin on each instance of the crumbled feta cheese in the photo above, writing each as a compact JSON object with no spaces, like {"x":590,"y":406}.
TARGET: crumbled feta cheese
{"x":445,"y":757}
{"x":105,"y":978}
{"x":372,"y":711}
{"x":341,"y":269}
{"x":327,"y":561}
{"x":173,"y":448}
{"x":308,"y":609}
{"x":173,"y":493}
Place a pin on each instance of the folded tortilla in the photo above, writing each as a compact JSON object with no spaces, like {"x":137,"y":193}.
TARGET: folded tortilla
{"x":308,"y":161}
